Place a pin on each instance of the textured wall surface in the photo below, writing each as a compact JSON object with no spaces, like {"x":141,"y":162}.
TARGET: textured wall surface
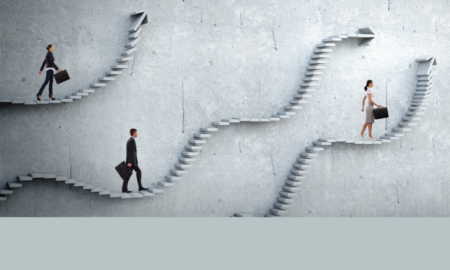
{"x":202,"y":61}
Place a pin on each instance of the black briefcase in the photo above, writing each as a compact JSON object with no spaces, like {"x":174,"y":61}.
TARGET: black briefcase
{"x":124,"y":171}
{"x":61,"y":76}
{"x":380,"y":113}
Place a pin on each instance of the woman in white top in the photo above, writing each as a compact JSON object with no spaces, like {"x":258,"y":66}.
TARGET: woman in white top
{"x":369,"y":109}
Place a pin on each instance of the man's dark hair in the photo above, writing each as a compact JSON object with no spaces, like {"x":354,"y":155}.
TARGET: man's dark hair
{"x":132,"y":131}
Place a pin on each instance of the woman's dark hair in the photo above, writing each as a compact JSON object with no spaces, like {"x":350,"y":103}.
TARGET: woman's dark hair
{"x":367,"y":84}
{"x":49,"y":46}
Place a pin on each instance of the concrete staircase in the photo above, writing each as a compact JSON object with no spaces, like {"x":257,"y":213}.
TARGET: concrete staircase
{"x":300,"y":169}
{"x":116,"y":70}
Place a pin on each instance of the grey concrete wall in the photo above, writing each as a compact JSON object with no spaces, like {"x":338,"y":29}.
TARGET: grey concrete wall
{"x":202,"y":61}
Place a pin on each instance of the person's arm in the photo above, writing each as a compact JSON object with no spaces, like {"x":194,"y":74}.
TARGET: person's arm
{"x":53,"y":63}
{"x":364,"y":100}
{"x":130,"y":153}
{"x":373,"y":102}
{"x":42,"y":67}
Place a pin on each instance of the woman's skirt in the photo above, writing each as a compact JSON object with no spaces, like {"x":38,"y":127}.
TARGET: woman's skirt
{"x":369,"y":113}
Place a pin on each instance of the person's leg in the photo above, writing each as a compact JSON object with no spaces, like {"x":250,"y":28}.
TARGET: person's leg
{"x":50,"y":79}
{"x":370,"y":130}
{"x":125,"y":185}
{"x":43,"y":85}
{"x":138,"y":175}
{"x":364,"y":129}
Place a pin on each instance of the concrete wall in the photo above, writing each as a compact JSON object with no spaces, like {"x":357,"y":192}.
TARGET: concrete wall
{"x":202,"y":61}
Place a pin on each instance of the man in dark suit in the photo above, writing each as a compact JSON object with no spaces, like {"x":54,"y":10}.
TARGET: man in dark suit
{"x":132,"y":162}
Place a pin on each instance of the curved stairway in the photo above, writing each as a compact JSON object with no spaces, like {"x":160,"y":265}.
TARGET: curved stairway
{"x":310,"y":83}
{"x":116,"y":70}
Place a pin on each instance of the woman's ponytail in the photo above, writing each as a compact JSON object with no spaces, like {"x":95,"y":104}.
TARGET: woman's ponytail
{"x":367,"y":84}
{"x":49,"y":46}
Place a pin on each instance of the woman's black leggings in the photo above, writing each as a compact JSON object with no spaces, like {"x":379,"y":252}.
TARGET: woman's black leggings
{"x":48,"y":78}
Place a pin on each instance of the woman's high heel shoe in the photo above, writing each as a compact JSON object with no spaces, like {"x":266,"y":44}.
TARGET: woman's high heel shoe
{"x":38,"y":98}
{"x":52,"y":97}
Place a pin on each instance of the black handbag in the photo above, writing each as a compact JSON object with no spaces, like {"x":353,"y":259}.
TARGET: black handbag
{"x":124,"y":171}
{"x":61,"y":76}
{"x":380,"y":113}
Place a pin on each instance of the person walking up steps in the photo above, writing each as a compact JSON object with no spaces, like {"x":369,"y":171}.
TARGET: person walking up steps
{"x":132,"y":161}
{"x":369,"y":109}
{"x":51,"y":68}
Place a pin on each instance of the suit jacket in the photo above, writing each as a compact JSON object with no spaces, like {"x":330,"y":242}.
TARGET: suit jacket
{"x":50,"y":61}
{"x":132,"y":152}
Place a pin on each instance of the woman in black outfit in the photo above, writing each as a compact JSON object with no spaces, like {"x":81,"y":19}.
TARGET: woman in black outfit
{"x":51,"y":66}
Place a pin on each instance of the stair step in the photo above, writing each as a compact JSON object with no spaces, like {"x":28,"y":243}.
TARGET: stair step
{"x":407,"y":124}
{"x":165,"y":184}
{"x":17,"y":101}
{"x":308,"y":155}
{"x":58,"y":178}
{"x":297,"y":178}
{"x":30,"y":102}
{"x":24,"y":178}
{"x":406,"y":118}
{"x":88,"y":186}
{"x":37,"y":175}
{"x":291,"y":189}
{"x":97,"y":189}
{"x":193,"y":148}
{"x":88,"y":91}
{"x":66,"y":100}
{"x":172,"y":178}
{"x":106,"y":79}
{"x":293,"y":107}
{"x":126,"y":196}
{"x":277,"y":211}
{"x":285,"y":200}
{"x":313,"y":73}
{"x":265,"y":119}
{"x":133,"y":43}
{"x":414,"y":108}
{"x":178,"y":172}
{"x":321,"y":143}
{"x":220,"y":123}
{"x":113,"y":73}
{"x":327,"y":140}
{"x":322,"y":50}
{"x":96,"y":85}
{"x":197,"y":142}
{"x":389,"y":138}
{"x":282,"y":205}
{"x":124,"y":59}
{"x":320,"y":56}
{"x":155,"y":190}
{"x":293,"y":183}
{"x":104,"y":192}
{"x":285,"y":113}
{"x":306,"y":90}
{"x":129,"y":52}
{"x":182,"y":166}
{"x":4,"y":100}
{"x":4,"y":191}
{"x":56,"y":101}
{"x":326,"y":45}
{"x":12,"y":185}
{"x":2,"y":198}
{"x":298,"y":102}
{"x":244,"y":119}
{"x":71,"y":181}
{"x":202,"y":135}
{"x":115,"y":194}
{"x":415,"y":113}
{"x":189,"y":154}
{"x":81,"y":94}
{"x":186,"y":160}
{"x":315,"y":67}
{"x":314,"y":149}
{"x":401,"y":129}
{"x":301,"y":166}
{"x":119,"y":67}
{"x":317,"y":62}
{"x":147,"y":193}
{"x":232,"y":120}
{"x":299,"y":172}
{"x":137,"y":195}
{"x":305,"y":161}
{"x":313,"y":84}
{"x":209,"y":129}
{"x":331,"y":39}
{"x":302,"y":96}
{"x":135,"y":34}
{"x":394,"y":135}
{"x":288,"y":194}
{"x":80,"y":184}
{"x":280,"y":116}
